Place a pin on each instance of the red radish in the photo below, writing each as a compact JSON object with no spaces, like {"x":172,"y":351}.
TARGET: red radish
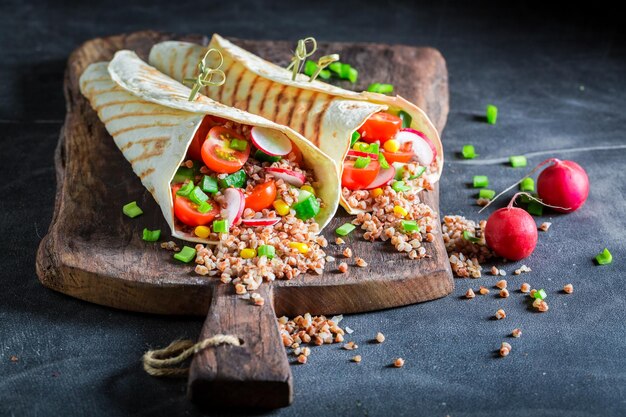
{"x":270,"y":141}
{"x":235,"y":203}
{"x":383,"y":178}
{"x":564,"y":184}
{"x":352,"y":152}
{"x":423,"y":147}
{"x":290,"y":177}
{"x":260,"y":222}
{"x":511,"y":232}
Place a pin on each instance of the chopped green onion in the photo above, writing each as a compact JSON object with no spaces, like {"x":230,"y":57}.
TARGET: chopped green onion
{"x":132,"y":210}
{"x":236,"y":180}
{"x":335,"y":67}
{"x":382,"y":161}
{"x":355,"y":138}
{"x":518,"y":161}
{"x":541,"y":294}
{"x":186,"y":254}
{"x":344,"y":229}
{"x":268,"y":251}
{"x":307,"y":205}
{"x":525,"y":199}
{"x":362,"y":162}
{"x":410,"y":226}
{"x":209,"y":184}
{"x":185,"y":189}
{"x":352,"y":76}
{"x":399,"y":186}
{"x":604,"y":257}
{"x":527,"y":184}
{"x":263,"y":157}
{"x":406,"y":119}
{"x":197,"y":195}
{"x":492,"y":114}
{"x":373,"y":148}
{"x":418,"y":173}
{"x":535,"y":208}
{"x":486,"y":193}
{"x":468,"y":152}
{"x":151,"y":235}
{"x":220,"y":226}
{"x":183,"y":174}
{"x":480,"y":181}
{"x":204,"y":207}
{"x":238,"y":144}
{"x":469,"y":237}
{"x":380,"y":88}
{"x":310,"y":67}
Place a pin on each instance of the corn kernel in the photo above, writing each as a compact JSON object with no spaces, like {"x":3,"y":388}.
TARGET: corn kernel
{"x":300,"y":247}
{"x":391,"y":146}
{"x":376,"y":192}
{"x":400,"y":210}
{"x":281,"y":207}
{"x":202,"y":232}
{"x":247,"y":253}
{"x":308,"y":188}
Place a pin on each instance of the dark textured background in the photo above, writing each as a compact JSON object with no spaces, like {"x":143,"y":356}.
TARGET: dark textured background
{"x":558,"y":78}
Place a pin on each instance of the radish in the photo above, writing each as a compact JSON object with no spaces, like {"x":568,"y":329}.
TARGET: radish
{"x":294,"y":178}
{"x":423,"y":147}
{"x":563,"y":184}
{"x":270,"y":141}
{"x":260,"y":222}
{"x":352,"y":152}
{"x":511,"y":232}
{"x":383,"y":178}
{"x":235,"y":203}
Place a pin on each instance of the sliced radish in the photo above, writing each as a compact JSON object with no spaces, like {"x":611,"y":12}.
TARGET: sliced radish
{"x":290,"y":177}
{"x":270,"y":141}
{"x":423,"y":147}
{"x":235,"y":203}
{"x":260,"y":222}
{"x":383,"y":178}
{"x":352,"y":152}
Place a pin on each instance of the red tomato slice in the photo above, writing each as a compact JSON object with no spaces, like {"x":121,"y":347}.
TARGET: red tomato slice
{"x":405,"y":154}
{"x":262,"y":196}
{"x":186,"y":211}
{"x":194,"y":151}
{"x":380,"y":126}
{"x":216,"y":154}
{"x":358,"y":178}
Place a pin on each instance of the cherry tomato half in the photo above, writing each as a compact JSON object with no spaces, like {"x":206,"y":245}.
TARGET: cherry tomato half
{"x":380,"y":126}
{"x":195,"y":148}
{"x":218,"y":156}
{"x":358,"y":178}
{"x":186,"y":211}
{"x":404,"y":154}
{"x":262,"y":196}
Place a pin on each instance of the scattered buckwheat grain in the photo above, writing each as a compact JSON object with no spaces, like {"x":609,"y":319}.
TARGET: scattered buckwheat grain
{"x":495,"y":271}
{"x":398,"y":363}
{"x":545,"y":226}
{"x":525,"y":287}
{"x":501,"y":284}
{"x":500,"y":314}
{"x":470,"y":294}
{"x":568,"y":288}
{"x":350,"y":346}
{"x":347,"y":252}
{"x":504,"y":293}
{"x":343,"y":267}
{"x":302,"y":359}
{"x":339,"y":241}
{"x":356,"y":358}
{"x":543,"y":306}
{"x":505,"y":349}
{"x":380,"y":338}
{"x":483,"y":290}
{"x":516,"y":332}
{"x":360,"y":262}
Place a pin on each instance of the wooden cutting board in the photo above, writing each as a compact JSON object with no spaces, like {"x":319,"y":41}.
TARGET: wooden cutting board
{"x":95,"y":253}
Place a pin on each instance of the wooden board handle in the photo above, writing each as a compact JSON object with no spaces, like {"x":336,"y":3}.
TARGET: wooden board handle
{"x":255,"y":374}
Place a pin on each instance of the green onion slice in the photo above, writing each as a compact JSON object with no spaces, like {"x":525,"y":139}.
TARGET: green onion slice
{"x":518,"y":161}
{"x":399,"y":186}
{"x":197,"y":195}
{"x":480,"y":181}
{"x":132,"y":210}
{"x":382,"y":161}
{"x":486,"y":193}
{"x":344,"y":229}
{"x":410,"y":226}
{"x":355,"y":138}
{"x":469,"y":237}
{"x":185,"y":189}
{"x":492,"y":114}
{"x":527,"y":184}
{"x":209,"y":184}
{"x":541,"y":294}
{"x":604,"y":257}
{"x":186,"y":254}
{"x":535,"y":208}
{"x":151,"y":235}
{"x":380,"y":88}
{"x":353,"y":75}
{"x":468,"y":152}
{"x":239,"y":144}
{"x":204,"y":207}
{"x":418,"y":173}
{"x":268,"y":251}
{"x":362,"y":162}
{"x":220,"y":226}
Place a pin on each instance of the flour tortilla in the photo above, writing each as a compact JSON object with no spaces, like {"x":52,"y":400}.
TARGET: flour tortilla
{"x":152,"y":123}
{"x":324,"y":114}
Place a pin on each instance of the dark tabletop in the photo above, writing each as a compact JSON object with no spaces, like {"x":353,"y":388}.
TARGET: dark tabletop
{"x":559,"y":81}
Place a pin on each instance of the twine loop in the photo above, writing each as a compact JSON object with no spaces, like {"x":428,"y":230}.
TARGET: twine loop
{"x":165,"y":361}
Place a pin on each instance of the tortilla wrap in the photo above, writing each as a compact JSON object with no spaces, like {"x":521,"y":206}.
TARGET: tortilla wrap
{"x":152,"y":123}
{"x":324,"y":114}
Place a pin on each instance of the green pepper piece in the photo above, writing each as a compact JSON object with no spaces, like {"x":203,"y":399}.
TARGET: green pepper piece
{"x":183,"y":174}
{"x":209,"y":184}
{"x":263,"y":157}
{"x":307,"y":206}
